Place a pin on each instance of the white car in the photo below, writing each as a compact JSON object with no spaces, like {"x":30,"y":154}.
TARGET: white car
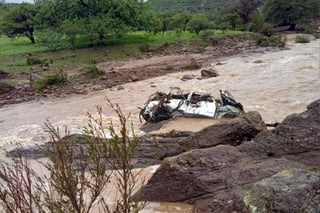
{"x":162,"y":106}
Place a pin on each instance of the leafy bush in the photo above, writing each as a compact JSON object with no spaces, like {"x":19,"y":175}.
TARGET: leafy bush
{"x":301,"y":39}
{"x":198,"y":23}
{"x":258,"y":25}
{"x":272,"y":41}
{"x":91,"y":72}
{"x":193,"y":65}
{"x":312,"y":28}
{"x":51,"y":39}
{"x":5,"y":87}
{"x":266,"y":30}
{"x":225,"y":25}
{"x":209,"y":35}
{"x":57,"y":78}
{"x":72,"y":29}
{"x":33,"y":60}
{"x":145,"y":47}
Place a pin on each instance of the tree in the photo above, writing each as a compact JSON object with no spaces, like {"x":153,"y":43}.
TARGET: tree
{"x":197,"y":23}
{"x":111,"y":17}
{"x":234,"y":20}
{"x":179,"y":21}
{"x":245,"y":8}
{"x":71,"y":29}
{"x":290,"y":12}
{"x":20,"y":21}
{"x":164,"y":21}
{"x":259,"y":25}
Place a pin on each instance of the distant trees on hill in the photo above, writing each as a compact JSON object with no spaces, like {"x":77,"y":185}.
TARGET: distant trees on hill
{"x":98,"y":20}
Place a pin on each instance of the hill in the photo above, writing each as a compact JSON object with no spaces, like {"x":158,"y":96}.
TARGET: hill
{"x":189,"y":5}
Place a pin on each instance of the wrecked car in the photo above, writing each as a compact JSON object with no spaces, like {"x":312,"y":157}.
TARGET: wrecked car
{"x":164,"y":106}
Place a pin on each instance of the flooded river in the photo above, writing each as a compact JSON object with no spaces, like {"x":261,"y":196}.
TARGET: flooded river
{"x":275,"y":83}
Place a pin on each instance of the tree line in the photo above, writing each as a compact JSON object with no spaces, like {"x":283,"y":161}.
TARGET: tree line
{"x":98,"y":20}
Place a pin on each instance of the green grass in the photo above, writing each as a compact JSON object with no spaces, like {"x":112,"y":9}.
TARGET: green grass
{"x":16,"y":46}
{"x":14,"y":52}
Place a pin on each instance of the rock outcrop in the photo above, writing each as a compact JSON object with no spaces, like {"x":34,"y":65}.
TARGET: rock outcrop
{"x":229,"y":131}
{"x":216,"y":179}
{"x":292,"y":190}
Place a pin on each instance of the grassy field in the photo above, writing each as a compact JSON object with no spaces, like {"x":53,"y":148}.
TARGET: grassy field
{"x":14,"y":52}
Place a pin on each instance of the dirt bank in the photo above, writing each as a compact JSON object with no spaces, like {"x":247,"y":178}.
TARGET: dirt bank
{"x":168,"y":58}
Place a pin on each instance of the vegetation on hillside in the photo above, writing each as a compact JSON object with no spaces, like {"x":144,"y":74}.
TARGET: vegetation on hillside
{"x":187,"y":6}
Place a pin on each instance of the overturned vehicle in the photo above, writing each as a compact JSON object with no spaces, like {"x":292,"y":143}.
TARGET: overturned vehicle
{"x":163,"y":106}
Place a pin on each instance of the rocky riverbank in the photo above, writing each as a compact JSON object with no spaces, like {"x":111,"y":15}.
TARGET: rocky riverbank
{"x":228,"y":170}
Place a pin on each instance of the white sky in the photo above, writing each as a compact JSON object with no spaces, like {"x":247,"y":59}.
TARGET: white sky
{"x":19,"y":1}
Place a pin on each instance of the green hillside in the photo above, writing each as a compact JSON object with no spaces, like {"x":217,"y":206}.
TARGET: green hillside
{"x":189,"y":5}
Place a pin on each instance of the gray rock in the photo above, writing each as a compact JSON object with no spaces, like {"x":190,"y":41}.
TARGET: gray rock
{"x":208,"y":172}
{"x":291,"y":190}
{"x":134,"y":77}
{"x":229,"y":131}
{"x":187,"y":77}
{"x":296,"y":135}
{"x":209,"y":73}
{"x":120,"y":87}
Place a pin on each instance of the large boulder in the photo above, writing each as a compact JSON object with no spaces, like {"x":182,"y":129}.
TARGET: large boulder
{"x":229,"y":131}
{"x":292,"y":190}
{"x":297,"y":135}
{"x":207,"y":172}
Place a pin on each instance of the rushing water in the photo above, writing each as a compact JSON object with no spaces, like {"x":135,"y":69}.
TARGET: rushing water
{"x":275,"y":83}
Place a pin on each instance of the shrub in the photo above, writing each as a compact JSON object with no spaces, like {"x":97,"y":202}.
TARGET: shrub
{"x":145,"y":47}
{"x":258,"y":25}
{"x":91,"y":72}
{"x":78,"y":172}
{"x":56,"y":78}
{"x":197,"y":23}
{"x":33,"y":60}
{"x":51,"y":39}
{"x":301,"y":39}
{"x":225,"y":25}
{"x":207,"y":34}
{"x":272,"y":41}
{"x":5,"y":87}
{"x":192,"y":65}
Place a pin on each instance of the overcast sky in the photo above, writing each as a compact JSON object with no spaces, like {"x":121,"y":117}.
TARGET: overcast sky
{"x":19,"y":1}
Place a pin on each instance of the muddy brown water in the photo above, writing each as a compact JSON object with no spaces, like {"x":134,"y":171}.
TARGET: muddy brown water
{"x":275,"y":83}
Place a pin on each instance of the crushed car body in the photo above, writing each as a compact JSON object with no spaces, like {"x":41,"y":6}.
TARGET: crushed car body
{"x":164,"y":106}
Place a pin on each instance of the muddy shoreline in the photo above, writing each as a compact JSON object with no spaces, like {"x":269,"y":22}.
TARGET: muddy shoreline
{"x":158,"y":62}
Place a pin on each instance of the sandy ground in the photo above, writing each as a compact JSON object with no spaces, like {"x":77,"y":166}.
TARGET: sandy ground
{"x":275,"y":83}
